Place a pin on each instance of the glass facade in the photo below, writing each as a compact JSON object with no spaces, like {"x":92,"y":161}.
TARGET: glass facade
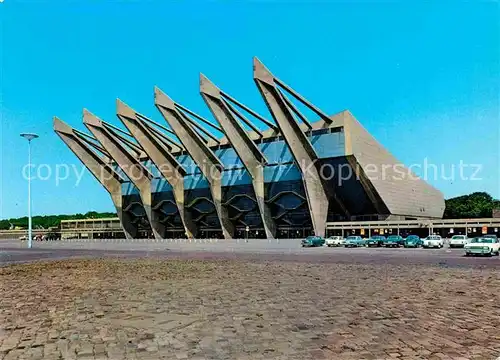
{"x":284,"y":190}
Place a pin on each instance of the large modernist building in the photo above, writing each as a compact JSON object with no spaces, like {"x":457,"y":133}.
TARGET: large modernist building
{"x":197,"y":178}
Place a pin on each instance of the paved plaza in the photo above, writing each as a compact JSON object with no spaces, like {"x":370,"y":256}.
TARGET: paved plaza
{"x":236,"y":304}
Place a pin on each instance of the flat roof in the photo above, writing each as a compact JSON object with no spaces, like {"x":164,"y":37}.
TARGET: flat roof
{"x":490,"y":222}
{"x":436,"y":223}
{"x":99,"y":219}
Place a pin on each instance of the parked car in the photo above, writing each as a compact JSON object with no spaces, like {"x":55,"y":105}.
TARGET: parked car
{"x":376,"y":240}
{"x":354,"y":241}
{"x":312,"y":241}
{"x":483,"y":246}
{"x":432,"y":241}
{"x":22,"y":238}
{"x":412,"y":241}
{"x":394,"y":241}
{"x":335,"y":241}
{"x":458,"y":241}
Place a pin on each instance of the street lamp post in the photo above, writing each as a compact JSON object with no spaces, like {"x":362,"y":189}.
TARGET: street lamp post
{"x":29,"y":137}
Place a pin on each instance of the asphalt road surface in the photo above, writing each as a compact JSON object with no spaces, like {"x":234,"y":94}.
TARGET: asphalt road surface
{"x":276,"y":300}
{"x":14,"y":251}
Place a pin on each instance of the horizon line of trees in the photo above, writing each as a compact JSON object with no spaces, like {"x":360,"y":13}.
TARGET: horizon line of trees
{"x":47,"y":221}
{"x":475,"y":205}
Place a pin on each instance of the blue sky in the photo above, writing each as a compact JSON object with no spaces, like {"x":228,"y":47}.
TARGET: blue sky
{"x":423,"y":78}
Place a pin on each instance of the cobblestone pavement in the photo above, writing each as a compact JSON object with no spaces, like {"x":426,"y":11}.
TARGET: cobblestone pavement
{"x":226,"y":309}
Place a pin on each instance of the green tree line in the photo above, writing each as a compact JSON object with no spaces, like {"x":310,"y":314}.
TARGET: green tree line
{"x":47,"y":221}
{"x":475,"y":205}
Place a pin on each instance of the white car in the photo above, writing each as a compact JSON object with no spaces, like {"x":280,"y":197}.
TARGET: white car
{"x":434,"y":241}
{"x":483,"y":246}
{"x":459,"y":241}
{"x":335,"y":241}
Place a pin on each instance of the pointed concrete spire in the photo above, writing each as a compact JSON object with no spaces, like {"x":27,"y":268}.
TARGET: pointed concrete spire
{"x":161,"y":99}
{"x":123,"y":109}
{"x":207,"y":87}
{"x":260,"y":72}
{"x":61,"y":126}
{"x":91,"y":119}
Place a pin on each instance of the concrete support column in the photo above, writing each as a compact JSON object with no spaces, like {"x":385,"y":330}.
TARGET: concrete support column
{"x":160,"y":155}
{"x":250,"y":155}
{"x":305,"y":157}
{"x":208,"y":163}
{"x":101,"y":170}
{"x":131,"y":166}
{"x":126,"y":220}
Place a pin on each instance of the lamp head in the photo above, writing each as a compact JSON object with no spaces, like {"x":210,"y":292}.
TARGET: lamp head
{"x":29,"y":136}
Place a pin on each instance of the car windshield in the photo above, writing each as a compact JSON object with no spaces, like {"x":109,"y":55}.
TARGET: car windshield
{"x":412,"y":238}
{"x":392,"y":237}
{"x":434,"y":237}
{"x":352,"y":238}
{"x":458,"y":237}
{"x":482,"y":240}
{"x":490,"y":236}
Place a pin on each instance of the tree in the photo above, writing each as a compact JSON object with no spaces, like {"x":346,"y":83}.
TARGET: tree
{"x":475,"y":205}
